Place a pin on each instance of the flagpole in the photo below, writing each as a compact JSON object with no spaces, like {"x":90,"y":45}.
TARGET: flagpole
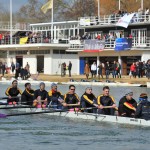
{"x":52,"y":19}
{"x":10,"y":21}
{"x":98,"y":7}
{"x":119,"y":5}
{"x":142,"y":4}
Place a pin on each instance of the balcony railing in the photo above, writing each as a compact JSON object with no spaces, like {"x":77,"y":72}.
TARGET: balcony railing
{"x":15,"y":26}
{"x":112,"y":19}
{"x":35,"y":40}
{"x":143,"y":42}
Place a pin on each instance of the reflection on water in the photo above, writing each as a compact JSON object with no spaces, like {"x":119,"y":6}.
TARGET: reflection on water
{"x":42,"y":132}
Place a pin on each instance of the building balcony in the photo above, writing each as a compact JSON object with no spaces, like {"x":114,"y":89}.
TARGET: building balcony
{"x":142,"y":43}
{"x":111,"y":20}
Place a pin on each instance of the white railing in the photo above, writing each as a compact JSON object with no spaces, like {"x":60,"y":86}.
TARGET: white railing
{"x":112,"y":19}
{"x":143,"y":42}
{"x":15,"y":26}
{"x":32,"y":40}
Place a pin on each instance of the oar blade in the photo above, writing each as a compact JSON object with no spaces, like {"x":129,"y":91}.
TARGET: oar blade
{"x":3,"y":116}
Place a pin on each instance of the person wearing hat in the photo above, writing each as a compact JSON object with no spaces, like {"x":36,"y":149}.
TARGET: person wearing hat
{"x":127,"y":105}
{"x":40,"y":96}
{"x":55,"y":97}
{"x":106,"y":100}
{"x":143,"y":108}
{"x":88,"y":100}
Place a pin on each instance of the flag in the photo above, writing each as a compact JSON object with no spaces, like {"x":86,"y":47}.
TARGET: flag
{"x":122,"y":44}
{"x":47,"y":6}
{"x":94,"y":45}
{"x":125,"y":20}
{"x":23,"y":40}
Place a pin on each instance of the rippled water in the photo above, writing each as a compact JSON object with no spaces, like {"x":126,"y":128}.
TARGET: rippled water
{"x":42,"y":132}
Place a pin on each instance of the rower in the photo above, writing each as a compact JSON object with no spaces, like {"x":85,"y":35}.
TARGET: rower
{"x":55,"y":97}
{"x":143,"y":108}
{"x":104,"y":101}
{"x":27,"y":95}
{"x":88,"y":100}
{"x":71,"y":99}
{"x":12,"y":92}
{"x":40,"y":96}
{"x":127,"y":105}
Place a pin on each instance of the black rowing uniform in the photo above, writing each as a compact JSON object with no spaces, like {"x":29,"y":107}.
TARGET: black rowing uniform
{"x":71,"y":99}
{"x":43,"y":94}
{"x":106,"y":101}
{"x":13,"y":92}
{"x":88,"y":100}
{"x":27,"y":97}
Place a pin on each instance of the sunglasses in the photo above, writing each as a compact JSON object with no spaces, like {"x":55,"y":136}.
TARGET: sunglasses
{"x":72,"y":89}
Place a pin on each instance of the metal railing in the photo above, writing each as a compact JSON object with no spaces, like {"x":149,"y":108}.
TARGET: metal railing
{"x":33,"y":40}
{"x":143,"y":42}
{"x":113,"y":19}
{"x":15,"y":26}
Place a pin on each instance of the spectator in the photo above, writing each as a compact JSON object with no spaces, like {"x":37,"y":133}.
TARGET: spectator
{"x":107,"y":69}
{"x":69,"y":68}
{"x":100,"y":68}
{"x":12,"y":67}
{"x":114,"y":69}
{"x":17,"y":70}
{"x":133,"y":70}
{"x":87,"y":70}
{"x":118,"y":70}
{"x":148,"y":69}
{"x":62,"y":69}
{"x":93,"y":69}
{"x":3,"y":69}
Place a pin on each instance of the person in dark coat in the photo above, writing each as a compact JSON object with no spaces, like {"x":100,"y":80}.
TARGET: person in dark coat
{"x":69,"y":68}
{"x":143,"y":108}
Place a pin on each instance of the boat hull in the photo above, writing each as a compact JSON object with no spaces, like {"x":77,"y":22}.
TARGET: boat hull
{"x":89,"y":116}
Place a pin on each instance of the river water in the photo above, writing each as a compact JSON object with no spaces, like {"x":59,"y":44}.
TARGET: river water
{"x":42,"y":132}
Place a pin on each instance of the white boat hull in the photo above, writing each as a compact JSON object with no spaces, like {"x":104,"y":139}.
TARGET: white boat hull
{"x":89,"y":116}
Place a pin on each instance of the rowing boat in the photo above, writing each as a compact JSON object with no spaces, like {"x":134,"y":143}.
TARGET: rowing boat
{"x":89,"y":116}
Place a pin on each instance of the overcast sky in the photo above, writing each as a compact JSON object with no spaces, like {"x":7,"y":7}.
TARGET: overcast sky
{"x":16,"y":4}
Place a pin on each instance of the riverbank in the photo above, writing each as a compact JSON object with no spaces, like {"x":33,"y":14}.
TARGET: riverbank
{"x":79,"y":78}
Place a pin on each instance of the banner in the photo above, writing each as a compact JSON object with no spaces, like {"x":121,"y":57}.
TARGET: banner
{"x":94,"y":45}
{"x":123,"y":44}
{"x":23,"y":40}
{"x":47,"y":6}
{"x":85,"y":22}
{"x":125,"y":20}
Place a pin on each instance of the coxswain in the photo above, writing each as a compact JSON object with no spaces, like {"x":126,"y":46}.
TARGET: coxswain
{"x":40,"y":96}
{"x":55,"y":97}
{"x":71,"y":99}
{"x":127,"y":105}
{"x":27,"y":95}
{"x":12,"y":92}
{"x":106,"y":103}
{"x":88,"y":100}
{"x":143,"y":108}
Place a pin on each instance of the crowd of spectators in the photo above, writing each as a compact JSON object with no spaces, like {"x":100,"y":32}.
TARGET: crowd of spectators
{"x":15,"y":69}
{"x":137,"y":69}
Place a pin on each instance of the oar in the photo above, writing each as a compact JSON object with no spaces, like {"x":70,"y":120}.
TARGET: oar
{"x":29,"y":113}
{"x":6,"y":97}
{"x":15,"y":107}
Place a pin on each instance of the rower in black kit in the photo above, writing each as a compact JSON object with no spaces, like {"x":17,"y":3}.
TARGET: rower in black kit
{"x":12,"y":92}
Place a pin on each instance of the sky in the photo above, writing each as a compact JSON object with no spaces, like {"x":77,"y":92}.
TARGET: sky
{"x":16,"y":4}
